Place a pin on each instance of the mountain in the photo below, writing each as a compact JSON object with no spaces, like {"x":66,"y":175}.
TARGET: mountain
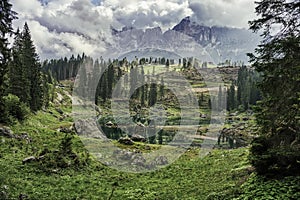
{"x":223,"y":42}
{"x":131,"y":42}
{"x":186,"y":39}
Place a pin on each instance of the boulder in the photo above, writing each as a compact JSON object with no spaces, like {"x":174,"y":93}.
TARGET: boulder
{"x":6,"y":132}
{"x":147,"y":147}
{"x":161,"y":160}
{"x":138,"y":160}
{"x":65,"y":130}
{"x":126,"y":141}
{"x":138,"y":138}
{"x":88,"y":128}
{"x":109,"y":124}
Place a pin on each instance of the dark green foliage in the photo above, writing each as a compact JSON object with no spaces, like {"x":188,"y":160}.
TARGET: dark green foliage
{"x":25,"y":78}
{"x":6,"y":18}
{"x":32,"y":67}
{"x":258,"y":187}
{"x":110,"y":79}
{"x":278,"y":59}
{"x":153,"y":94}
{"x":231,"y":102}
{"x":19,"y":82}
{"x":143,"y":97}
{"x":64,"y":157}
{"x":161,"y":89}
{"x":244,"y":91}
{"x":220,"y":105}
{"x":270,"y":159}
{"x":14,"y":108}
{"x":63,"y":69}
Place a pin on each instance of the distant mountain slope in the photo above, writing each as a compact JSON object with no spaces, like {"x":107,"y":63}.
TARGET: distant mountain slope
{"x":214,"y":44}
{"x":222,"y":42}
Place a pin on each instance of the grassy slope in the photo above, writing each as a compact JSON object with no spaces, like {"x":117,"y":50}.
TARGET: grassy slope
{"x":217,"y":176}
{"x":190,"y":177}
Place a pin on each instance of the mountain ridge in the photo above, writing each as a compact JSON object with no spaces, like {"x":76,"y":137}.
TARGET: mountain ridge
{"x":188,"y":39}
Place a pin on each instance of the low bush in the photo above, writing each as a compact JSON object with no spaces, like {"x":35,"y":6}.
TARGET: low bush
{"x":14,"y":108}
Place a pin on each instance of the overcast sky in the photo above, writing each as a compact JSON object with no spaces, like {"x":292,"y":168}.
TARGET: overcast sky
{"x":63,"y":27}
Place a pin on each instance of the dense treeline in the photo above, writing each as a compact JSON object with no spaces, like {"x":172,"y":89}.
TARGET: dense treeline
{"x":243,"y":92}
{"x":106,"y":74}
{"x":63,"y":68}
{"x":24,"y":87}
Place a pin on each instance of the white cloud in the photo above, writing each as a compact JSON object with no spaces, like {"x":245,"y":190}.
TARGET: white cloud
{"x":141,"y":14}
{"x":63,"y":27}
{"x":234,"y":13}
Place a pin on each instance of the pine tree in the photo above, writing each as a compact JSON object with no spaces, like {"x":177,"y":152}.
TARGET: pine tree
{"x":110,"y":79}
{"x":161,"y":88}
{"x":278,"y":59}
{"x":32,"y":67}
{"x":231,"y":98}
{"x":6,"y":18}
{"x":220,"y":98}
{"x":152,"y":94}
{"x":19,"y":82}
{"x":143,"y":86}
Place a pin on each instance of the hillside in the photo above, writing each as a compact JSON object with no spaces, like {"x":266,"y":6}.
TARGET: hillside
{"x":43,"y":158}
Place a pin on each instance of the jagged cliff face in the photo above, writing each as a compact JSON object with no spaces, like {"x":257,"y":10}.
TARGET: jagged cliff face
{"x":202,"y":34}
{"x":223,"y":43}
{"x":214,"y":44}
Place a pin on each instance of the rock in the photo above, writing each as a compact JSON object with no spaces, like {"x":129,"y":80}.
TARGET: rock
{"x":147,"y":147}
{"x":161,"y":160}
{"x":88,"y":128}
{"x":65,"y":130}
{"x":138,"y":138}
{"x":6,"y":132}
{"x":203,"y":116}
{"x":59,"y":111}
{"x":24,"y":136}
{"x":109,"y":124}
{"x":138,"y":159}
{"x":127,"y":155}
{"x":126,"y":141}
{"x":28,"y":159}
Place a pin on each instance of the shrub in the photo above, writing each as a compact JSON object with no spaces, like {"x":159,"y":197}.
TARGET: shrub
{"x":64,"y":157}
{"x":15,"y":108}
{"x":270,"y":158}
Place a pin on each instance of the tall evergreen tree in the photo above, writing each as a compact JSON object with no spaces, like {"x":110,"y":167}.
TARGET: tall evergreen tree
{"x":278,"y":59}
{"x":19,"y":82}
{"x":32,"y":66}
{"x":6,"y":18}
{"x":231,"y":97}
{"x":161,"y":88}
{"x":110,"y":79}
{"x":143,"y":86}
{"x":152,"y":94}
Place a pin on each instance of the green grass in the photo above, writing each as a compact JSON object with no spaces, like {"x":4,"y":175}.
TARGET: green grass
{"x":223,"y":174}
{"x":190,"y":177}
{"x":258,"y":187}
